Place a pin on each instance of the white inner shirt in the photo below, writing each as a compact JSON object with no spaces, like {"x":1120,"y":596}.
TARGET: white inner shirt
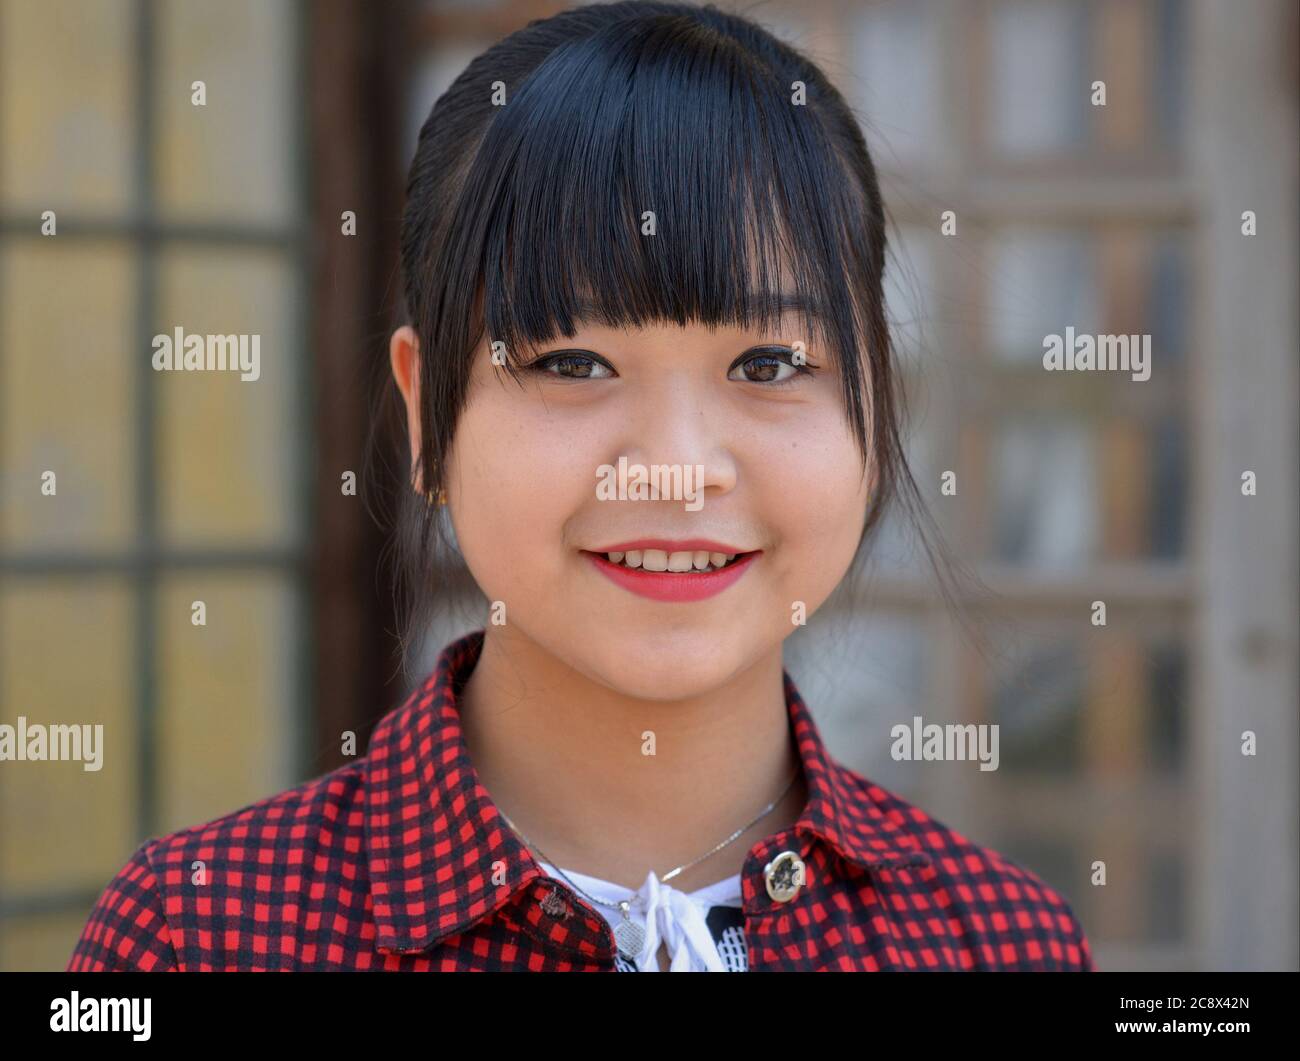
{"x":689,"y":925}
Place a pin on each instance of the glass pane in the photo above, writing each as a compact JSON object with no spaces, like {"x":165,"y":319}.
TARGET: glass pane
{"x":227,"y":446}
{"x":1168,"y":310}
{"x":861,"y":674}
{"x":1041,"y":281}
{"x":897,"y":84}
{"x":1039,"y":91}
{"x":231,"y":158}
{"x":66,"y":658}
{"x":41,"y":942}
{"x":1044,"y":56}
{"x":1143,"y":481}
{"x":70,"y":362}
{"x":227,"y":693}
{"x":1169,"y":70}
{"x":1122,"y":51}
{"x":1141,"y":56}
{"x":1143,"y":273}
{"x":1167,"y":501}
{"x":894,"y":550}
{"x":1045,"y":485}
{"x":66,"y":106}
{"x":1037,"y":699}
{"x":1166,"y":897}
{"x":1168,"y":708}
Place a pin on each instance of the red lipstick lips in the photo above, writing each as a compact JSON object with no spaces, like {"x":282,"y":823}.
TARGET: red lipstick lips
{"x":682,"y":587}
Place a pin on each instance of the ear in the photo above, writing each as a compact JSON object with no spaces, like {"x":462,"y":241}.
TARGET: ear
{"x":404,"y":357}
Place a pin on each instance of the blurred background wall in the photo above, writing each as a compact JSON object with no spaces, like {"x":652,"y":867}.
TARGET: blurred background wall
{"x":1119,"y":743}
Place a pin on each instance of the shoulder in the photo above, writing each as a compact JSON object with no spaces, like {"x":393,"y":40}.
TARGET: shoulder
{"x":235,"y":867}
{"x":1000,"y":915}
{"x":321,"y":813}
{"x":126,"y":930}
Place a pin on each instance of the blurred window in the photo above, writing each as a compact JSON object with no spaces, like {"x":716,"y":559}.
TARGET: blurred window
{"x":171,"y":487}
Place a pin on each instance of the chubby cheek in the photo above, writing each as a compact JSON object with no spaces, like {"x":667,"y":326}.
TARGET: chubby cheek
{"x":811,"y":492}
{"x":515,"y":478}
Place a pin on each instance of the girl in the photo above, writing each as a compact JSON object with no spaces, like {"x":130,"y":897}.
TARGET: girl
{"x":649,"y":400}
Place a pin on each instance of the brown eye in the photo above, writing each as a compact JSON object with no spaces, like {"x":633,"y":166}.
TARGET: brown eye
{"x":572,"y":366}
{"x":774,"y":365}
{"x":763,"y":369}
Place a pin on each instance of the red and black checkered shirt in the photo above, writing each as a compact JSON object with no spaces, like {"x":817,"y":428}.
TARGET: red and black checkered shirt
{"x":401,"y":861}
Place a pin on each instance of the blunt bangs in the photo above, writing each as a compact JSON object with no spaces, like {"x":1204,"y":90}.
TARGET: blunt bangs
{"x":752,"y":209}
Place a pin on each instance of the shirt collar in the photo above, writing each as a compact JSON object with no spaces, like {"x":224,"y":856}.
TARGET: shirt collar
{"x":435,"y":841}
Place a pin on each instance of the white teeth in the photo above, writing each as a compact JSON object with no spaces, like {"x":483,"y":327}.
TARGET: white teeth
{"x":677,"y":563}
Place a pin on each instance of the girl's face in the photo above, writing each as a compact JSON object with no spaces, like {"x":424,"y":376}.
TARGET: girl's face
{"x":765,"y":446}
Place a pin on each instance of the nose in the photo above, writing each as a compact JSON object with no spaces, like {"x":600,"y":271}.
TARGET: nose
{"x":673,"y":423}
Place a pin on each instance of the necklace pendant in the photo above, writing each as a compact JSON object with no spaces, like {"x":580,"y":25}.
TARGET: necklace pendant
{"x":628,"y":935}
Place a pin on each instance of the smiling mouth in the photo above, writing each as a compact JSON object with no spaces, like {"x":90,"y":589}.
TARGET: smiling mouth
{"x":661,"y":562}
{"x":675,"y":585}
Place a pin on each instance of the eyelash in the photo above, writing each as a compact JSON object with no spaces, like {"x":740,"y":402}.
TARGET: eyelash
{"x":781,"y":355}
{"x":543,"y":363}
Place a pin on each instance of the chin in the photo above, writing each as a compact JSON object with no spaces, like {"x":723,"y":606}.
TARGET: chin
{"x":663,"y":669}
{"x":667,"y":682}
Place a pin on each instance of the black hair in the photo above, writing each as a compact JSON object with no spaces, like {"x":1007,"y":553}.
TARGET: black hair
{"x":524,"y":210}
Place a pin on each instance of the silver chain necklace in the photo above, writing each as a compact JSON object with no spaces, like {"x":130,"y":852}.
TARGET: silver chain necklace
{"x":628,"y":935}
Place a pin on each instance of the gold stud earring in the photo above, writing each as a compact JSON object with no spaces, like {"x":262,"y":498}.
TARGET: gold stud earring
{"x":442,"y":497}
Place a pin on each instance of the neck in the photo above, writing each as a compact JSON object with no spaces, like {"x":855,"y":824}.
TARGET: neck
{"x":562,"y":756}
